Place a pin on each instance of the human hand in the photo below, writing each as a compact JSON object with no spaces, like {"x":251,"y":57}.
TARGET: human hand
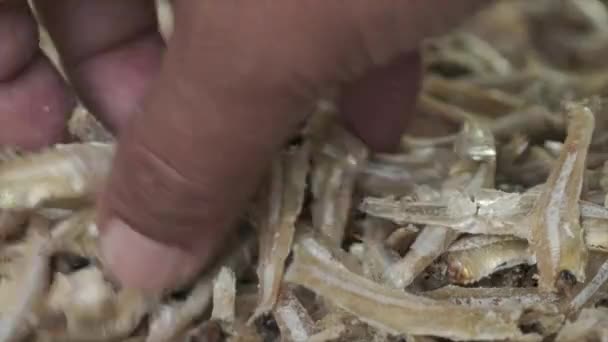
{"x":199,"y":120}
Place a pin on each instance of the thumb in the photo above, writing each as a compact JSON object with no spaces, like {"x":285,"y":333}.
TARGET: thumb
{"x":227,"y":97}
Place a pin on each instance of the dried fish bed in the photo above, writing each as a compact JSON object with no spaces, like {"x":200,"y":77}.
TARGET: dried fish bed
{"x":497,"y":230}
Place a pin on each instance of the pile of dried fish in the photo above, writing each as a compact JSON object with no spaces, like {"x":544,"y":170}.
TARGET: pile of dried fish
{"x":495,"y":231}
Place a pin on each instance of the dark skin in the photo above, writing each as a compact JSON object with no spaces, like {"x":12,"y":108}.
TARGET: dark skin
{"x":200,"y":119}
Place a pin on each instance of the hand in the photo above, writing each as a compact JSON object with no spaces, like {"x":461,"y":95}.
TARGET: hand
{"x":200,"y":119}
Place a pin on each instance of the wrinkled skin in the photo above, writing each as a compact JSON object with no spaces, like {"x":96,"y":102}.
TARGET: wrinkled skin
{"x":200,"y":118}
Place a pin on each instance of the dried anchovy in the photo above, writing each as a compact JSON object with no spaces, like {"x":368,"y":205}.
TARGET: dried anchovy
{"x":87,"y":128}
{"x":489,"y":297}
{"x":590,"y":289}
{"x":557,"y":236}
{"x":171,"y":320}
{"x":466,"y":266}
{"x":463,"y":54}
{"x":83,"y":302}
{"x":591,"y":325}
{"x":18,"y":321}
{"x":66,"y":175}
{"x":505,"y":74}
{"x":224,"y":296}
{"x":336,"y":165}
{"x":493,"y":102}
{"x":489,"y":212}
{"x":292,"y":317}
{"x":596,"y":234}
{"x":395,"y":311}
{"x":402,"y":238}
{"x":287,"y":191}
{"x":476,"y":146}
{"x":399,"y":174}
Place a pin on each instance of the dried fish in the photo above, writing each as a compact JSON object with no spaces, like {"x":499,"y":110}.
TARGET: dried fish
{"x":336,"y":164}
{"x":224,"y":296}
{"x":395,"y":311}
{"x":66,"y":175}
{"x":476,"y":142}
{"x":329,"y":334}
{"x":402,"y":238}
{"x":476,"y":146}
{"x":82,"y":303}
{"x":445,"y":208}
{"x":529,"y":121}
{"x":463,"y":54}
{"x":577,"y":29}
{"x":590,"y":289}
{"x":443,"y":110}
{"x":596,"y":234}
{"x":287,"y":191}
{"x":19,"y":320}
{"x":466,"y":266}
{"x":557,"y":236}
{"x":590,"y":326}
{"x":493,"y":102}
{"x":87,"y":128}
{"x":429,"y":245}
{"x":292,"y":318}
{"x":209,"y":331}
{"x":171,"y":320}
{"x":377,"y":258}
{"x":492,"y":297}
{"x":492,"y":212}
{"x":401,"y":173}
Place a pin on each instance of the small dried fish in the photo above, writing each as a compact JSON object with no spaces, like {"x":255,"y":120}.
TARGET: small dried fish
{"x":570,"y":33}
{"x":429,"y":245}
{"x":395,"y":311}
{"x":66,"y":175}
{"x":402,"y":238}
{"x":529,"y":121}
{"x":476,"y":146}
{"x":591,"y":325}
{"x":19,"y":321}
{"x":287,"y":191}
{"x":492,"y":297}
{"x":87,"y":128}
{"x":82,"y":303}
{"x":492,"y":102}
{"x":376,"y":258}
{"x":171,"y":320}
{"x":466,"y":266}
{"x":84,"y":306}
{"x":336,"y":164}
{"x":444,"y":208}
{"x":590,"y":289}
{"x":557,"y":236}
{"x":463,"y":54}
{"x":492,"y":212}
{"x":443,"y":110}
{"x":292,"y":318}
{"x":224,"y":296}
{"x":596,"y":234}
{"x":400,"y":174}
{"x":476,"y":142}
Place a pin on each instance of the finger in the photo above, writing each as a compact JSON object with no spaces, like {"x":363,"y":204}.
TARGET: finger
{"x":34,"y":100}
{"x":110,"y":50}
{"x":235,"y":93}
{"x":378,"y":107}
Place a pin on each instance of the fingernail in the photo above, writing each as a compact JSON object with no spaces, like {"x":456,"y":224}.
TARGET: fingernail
{"x":139,"y":262}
